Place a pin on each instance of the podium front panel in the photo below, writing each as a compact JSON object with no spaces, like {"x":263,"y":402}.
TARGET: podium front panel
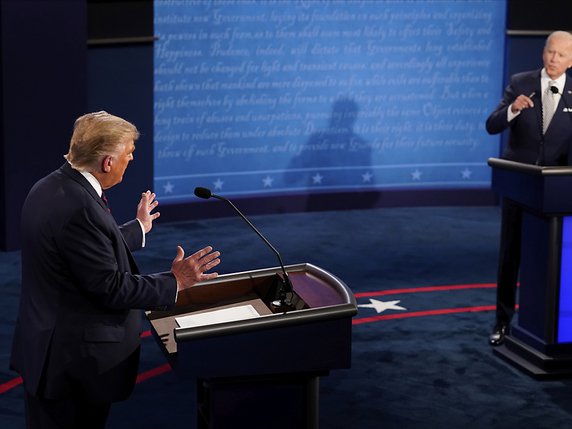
{"x":565,"y":304}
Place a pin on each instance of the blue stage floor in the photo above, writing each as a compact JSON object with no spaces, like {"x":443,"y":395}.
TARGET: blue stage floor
{"x":421,"y":362}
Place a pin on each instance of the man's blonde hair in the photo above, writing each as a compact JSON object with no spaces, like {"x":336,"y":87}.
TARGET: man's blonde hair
{"x":97,"y":135}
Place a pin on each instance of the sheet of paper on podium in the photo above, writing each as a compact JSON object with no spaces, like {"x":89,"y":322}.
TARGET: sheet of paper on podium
{"x":218,"y":316}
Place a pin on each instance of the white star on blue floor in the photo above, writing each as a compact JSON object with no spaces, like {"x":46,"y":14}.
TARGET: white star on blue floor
{"x":381,"y":306}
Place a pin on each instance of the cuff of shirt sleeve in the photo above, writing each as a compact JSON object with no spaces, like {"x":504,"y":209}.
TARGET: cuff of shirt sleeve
{"x":510,"y":115}
{"x":143,"y":232}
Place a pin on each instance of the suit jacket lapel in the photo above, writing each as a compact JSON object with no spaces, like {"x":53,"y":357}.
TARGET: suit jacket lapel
{"x":566,"y":99}
{"x":534,"y":87}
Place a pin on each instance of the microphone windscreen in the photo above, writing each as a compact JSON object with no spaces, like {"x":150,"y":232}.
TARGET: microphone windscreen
{"x":554,"y":89}
{"x":203,"y":193}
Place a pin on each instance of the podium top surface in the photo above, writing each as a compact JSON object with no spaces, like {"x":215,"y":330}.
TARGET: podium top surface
{"x":529,"y":168}
{"x":326,"y":297}
{"x":542,"y":190}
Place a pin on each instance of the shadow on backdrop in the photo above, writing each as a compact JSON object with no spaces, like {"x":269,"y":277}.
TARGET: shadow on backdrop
{"x":335,"y":159}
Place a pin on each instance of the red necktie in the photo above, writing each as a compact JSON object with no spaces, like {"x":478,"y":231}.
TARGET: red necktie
{"x":104,"y":198}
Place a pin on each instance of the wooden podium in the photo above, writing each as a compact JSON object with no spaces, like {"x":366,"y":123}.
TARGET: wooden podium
{"x":540,"y":342}
{"x":261,"y":372}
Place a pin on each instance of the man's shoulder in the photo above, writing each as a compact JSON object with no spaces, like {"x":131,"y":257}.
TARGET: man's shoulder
{"x":58,"y":178}
{"x":526,"y":75}
{"x":61,"y":190}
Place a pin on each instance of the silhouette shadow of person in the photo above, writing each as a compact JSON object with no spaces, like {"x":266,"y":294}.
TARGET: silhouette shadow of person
{"x":335,"y":159}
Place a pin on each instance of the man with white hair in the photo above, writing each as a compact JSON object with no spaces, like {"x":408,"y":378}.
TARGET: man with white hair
{"x":536,"y":109}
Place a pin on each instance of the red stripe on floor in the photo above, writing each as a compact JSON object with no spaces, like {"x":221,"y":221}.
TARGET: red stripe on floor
{"x":423,"y":313}
{"x":153,"y":373}
{"x":425,"y":289}
{"x":9,"y":385}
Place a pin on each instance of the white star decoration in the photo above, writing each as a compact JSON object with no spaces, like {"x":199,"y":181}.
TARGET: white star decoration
{"x":317,"y":179}
{"x":168,"y":188}
{"x":381,"y":306}
{"x":366,"y":177}
{"x":466,"y":173}
{"x":218,"y":184}
{"x":267,"y":181}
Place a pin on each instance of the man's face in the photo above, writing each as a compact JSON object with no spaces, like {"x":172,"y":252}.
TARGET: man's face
{"x":119,"y":164}
{"x":557,"y":56}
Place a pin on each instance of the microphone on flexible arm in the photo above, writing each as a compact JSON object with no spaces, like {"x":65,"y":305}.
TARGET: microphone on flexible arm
{"x":286,"y":285}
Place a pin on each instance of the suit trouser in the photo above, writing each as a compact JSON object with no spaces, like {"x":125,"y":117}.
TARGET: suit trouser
{"x":509,"y":260}
{"x":65,"y":413}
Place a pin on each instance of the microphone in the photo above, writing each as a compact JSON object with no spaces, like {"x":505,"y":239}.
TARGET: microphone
{"x":554,"y":90}
{"x":203,"y":193}
{"x":286,"y":285}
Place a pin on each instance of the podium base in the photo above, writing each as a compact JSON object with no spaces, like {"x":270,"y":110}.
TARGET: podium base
{"x":274,"y":401}
{"x":534,"y":362}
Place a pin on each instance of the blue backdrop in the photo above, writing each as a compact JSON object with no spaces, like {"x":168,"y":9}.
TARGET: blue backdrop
{"x":268,"y":97}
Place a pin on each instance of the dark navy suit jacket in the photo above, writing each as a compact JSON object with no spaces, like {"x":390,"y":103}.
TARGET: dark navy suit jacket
{"x":524,"y":143}
{"x":78,"y":327}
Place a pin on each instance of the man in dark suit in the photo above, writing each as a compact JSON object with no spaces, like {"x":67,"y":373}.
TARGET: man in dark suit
{"x":76,"y":342}
{"x":536,"y":137}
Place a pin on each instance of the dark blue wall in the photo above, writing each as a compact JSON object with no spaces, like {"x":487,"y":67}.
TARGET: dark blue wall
{"x":43,"y":89}
{"x":121,"y":82}
{"x":54,"y":68}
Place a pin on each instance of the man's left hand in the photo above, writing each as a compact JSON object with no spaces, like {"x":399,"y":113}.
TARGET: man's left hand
{"x":146,"y":205}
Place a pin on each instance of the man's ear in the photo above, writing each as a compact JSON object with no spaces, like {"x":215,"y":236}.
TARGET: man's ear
{"x":106,"y":164}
